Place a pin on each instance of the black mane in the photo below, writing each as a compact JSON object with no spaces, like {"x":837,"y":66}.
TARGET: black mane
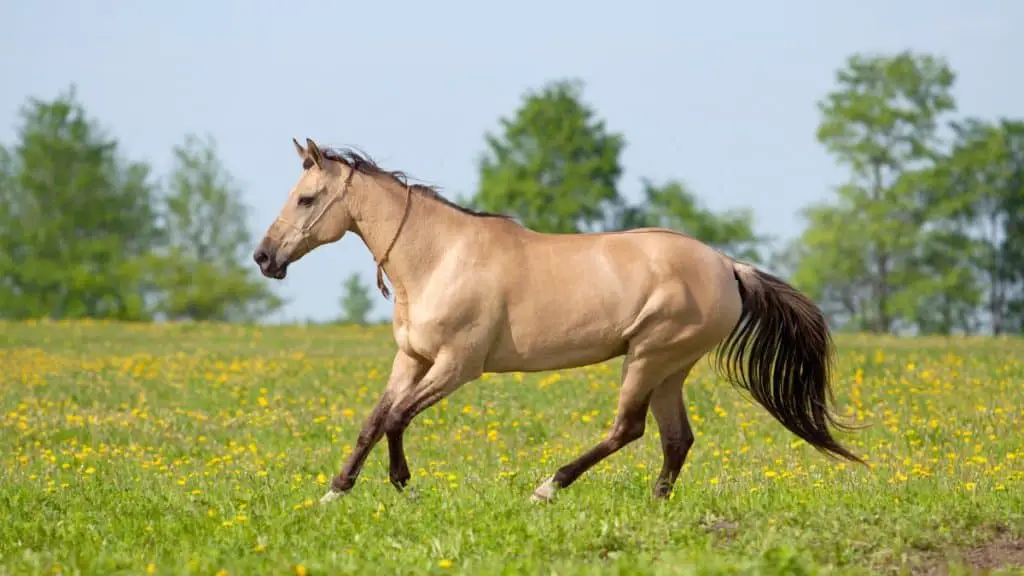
{"x":365,"y":165}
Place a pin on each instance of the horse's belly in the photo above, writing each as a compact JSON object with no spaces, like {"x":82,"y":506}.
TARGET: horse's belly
{"x":552,"y":358}
{"x":567,"y":338}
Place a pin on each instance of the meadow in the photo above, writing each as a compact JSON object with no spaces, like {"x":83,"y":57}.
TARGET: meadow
{"x":169,"y":449}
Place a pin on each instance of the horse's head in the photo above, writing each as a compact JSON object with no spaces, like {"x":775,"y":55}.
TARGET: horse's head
{"x":314,"y":214}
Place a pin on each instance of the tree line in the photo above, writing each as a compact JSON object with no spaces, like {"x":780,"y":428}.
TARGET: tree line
{"x":926,"y":234}
{"x":87,"y":232}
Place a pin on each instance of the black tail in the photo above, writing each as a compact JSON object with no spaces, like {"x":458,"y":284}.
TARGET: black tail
{"x":781,"y":352}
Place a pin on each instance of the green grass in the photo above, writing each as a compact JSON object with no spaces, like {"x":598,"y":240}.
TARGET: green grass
{"x":197,"y":449}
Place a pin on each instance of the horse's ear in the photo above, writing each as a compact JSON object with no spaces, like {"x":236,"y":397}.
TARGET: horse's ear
{"x":314,"y":153}
{"x":299,"y":149}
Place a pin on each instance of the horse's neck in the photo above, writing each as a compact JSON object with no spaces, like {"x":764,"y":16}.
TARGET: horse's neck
{"x":380,"y":220}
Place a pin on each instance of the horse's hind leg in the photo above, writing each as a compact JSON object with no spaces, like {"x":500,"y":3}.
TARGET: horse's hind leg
{"x":676,"y":435}
{"x":640,"y":376}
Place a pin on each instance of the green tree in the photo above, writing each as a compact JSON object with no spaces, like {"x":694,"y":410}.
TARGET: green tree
{"x":8,"y":200}
{"x":355,"y":301}
{"x":77,"y":221}
{"x":983,"y":181}
{"x":827,"y":261}
{"x":943,"y":289}
{"x":202,"y":269}
{"x":672,"y":205}
{"x":880,"y":123}
{"x":555,"y":166}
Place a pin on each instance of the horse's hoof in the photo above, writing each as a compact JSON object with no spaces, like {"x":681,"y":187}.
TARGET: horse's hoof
{"x":545,"y":492}
{"x":662,"y":491}
{"x":330,"y":496}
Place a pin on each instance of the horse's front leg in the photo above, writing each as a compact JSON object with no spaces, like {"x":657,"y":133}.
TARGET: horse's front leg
{"x":405,"y":372}
{"x":398,"y":466}
{"x":446,"y":375}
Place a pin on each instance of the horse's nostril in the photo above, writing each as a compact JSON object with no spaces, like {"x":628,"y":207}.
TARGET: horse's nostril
{"x":260,"y":256}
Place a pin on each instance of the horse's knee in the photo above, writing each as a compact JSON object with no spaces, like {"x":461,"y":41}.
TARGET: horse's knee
{"x":628,"y":430}
{"x":676,"y":449}
{"x":687,"y":439}
{"x":395,"y":422}
{"x":682,"y":443}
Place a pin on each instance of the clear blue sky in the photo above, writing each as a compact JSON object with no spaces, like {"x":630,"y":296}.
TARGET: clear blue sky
{"x":719,"y":94}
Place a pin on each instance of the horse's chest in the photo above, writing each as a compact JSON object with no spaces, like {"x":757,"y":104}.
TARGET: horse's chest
{"x":417,"y":335}
{"x":400,"y":328}
{"x":425,"y":330}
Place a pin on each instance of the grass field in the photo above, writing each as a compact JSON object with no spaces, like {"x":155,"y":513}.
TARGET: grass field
{"x":203,"y":449}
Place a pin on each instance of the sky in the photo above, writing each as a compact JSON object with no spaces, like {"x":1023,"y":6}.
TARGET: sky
{"x":721,"y":95}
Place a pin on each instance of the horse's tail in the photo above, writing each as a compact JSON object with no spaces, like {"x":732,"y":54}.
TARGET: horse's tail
{"x":781,"y":352}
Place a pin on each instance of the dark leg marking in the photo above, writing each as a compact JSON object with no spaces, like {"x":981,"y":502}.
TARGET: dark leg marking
{"x":676,"y":435}
{"x":629,"y":426}
{"x":398,"y":467}
{"x":369,"y":435}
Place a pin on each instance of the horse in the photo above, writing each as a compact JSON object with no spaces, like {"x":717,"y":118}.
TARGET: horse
{"x":478,"y":292}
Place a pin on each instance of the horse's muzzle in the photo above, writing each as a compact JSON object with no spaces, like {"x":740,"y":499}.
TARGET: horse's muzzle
{"x":266,"y":259}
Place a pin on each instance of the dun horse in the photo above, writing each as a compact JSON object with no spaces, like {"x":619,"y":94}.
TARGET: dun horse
{"x":476,"y":292}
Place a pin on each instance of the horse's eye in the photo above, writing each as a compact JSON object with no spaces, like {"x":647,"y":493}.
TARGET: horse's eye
{"x":306,"y":200}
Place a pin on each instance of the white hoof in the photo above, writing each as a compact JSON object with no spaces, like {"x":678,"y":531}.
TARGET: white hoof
{"x":545,"y":491}
{"x":331,"y":496}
